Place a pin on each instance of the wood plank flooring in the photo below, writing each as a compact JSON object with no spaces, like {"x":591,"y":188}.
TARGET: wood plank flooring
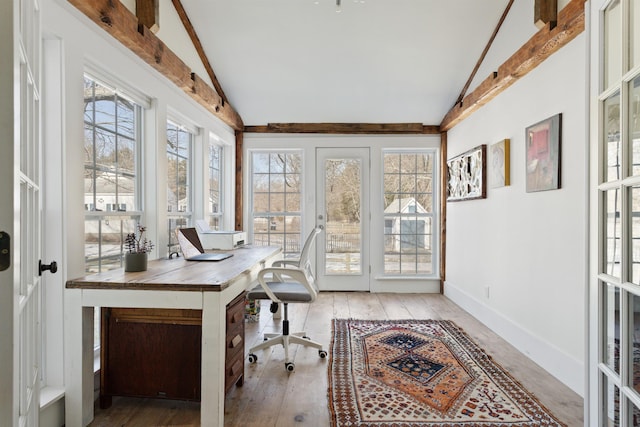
{"x":272,"y":397}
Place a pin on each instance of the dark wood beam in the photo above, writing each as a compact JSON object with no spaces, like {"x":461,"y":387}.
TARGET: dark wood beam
{"x":148,"y":13}
{"x":484,"y":52}
{"x":123,"y":25}
{"x":538,"y":48}
{"x":239,"y":183}
{"x":345,"y":128}
{"x":545,"y":12}
{"x":186,"y":22}
{"x":444,"y":184}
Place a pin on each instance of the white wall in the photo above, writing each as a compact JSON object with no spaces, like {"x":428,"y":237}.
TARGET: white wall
{"x":528,"y":249}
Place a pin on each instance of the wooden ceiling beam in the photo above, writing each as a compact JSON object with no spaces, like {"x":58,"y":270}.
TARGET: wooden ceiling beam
{"x":545,"y":12}
{"x":345,"y":128}
{"x":485,"y":51}
{"x":123,"y":25}
{"x":148,"y":13}
{"x":542,"y":45}
{"x":186,"y":22}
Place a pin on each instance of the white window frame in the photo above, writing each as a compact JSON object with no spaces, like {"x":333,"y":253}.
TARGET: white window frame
{"x":215,"y":144}
{"x":187,"y":216}
{"x":136,"y":213}
{"x":431,"y":213}
{"x":268,"y":214}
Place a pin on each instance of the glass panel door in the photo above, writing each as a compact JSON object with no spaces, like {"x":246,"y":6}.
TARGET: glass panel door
{"x":618,"y":252}
{"x":342,"y":200}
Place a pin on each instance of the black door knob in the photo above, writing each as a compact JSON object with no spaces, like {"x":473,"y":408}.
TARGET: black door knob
{"x":53,"y":267}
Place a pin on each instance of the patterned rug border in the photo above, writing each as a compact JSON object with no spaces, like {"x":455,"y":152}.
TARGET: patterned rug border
{"x":498,"y":373}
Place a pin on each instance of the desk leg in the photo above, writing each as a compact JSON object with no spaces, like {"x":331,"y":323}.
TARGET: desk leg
{"x":213,"y":352}
{"x":78,"y":361}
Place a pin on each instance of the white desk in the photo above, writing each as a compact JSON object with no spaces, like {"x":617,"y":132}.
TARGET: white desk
{"x":175,"y":283}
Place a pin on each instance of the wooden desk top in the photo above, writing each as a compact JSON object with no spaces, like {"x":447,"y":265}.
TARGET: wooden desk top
{"x":177,"y":274}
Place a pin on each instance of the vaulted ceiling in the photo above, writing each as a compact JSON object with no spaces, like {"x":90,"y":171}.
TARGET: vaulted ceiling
{"x":377,"y":61}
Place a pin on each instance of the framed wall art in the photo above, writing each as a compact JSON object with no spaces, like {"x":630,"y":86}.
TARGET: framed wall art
{"x":500,"y":164}
{"x":543,"y":154}
{"x":467,"y":175}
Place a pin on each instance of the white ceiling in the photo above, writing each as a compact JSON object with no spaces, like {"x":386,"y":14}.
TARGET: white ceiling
{"x":381,"y":61}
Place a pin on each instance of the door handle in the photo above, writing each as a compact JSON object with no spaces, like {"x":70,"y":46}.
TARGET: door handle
{"x":5,"y":251}
{"x":53,"y":267}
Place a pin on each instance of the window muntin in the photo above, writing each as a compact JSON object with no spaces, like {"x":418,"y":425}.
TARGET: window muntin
{"x":215,"y":186}
{"x":408,"y":212}
{"x":179,"y":178}
{"x":276,"y":191}
{"x":112,"y":140}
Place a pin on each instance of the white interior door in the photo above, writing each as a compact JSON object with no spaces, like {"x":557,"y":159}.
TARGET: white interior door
{"x":342,"y":201}
{"x":20,"y":168}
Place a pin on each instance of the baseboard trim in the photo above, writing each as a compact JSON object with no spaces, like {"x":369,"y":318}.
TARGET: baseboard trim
{"x":565,"y":368}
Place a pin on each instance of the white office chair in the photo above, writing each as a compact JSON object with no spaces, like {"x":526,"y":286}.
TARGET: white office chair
{"x":284,"y":285}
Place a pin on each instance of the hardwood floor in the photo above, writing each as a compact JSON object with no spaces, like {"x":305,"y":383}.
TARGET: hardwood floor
{"x":272,"y":397}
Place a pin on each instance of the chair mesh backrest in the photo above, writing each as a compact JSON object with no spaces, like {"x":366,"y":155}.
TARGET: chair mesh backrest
{"x":305,"y":262}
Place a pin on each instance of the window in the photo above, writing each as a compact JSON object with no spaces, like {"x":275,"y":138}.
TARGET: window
{"x":276,"y":195}
{"x":179,"y":178}
{"x":215,"y":185}
{"x":408,"y":212}
{"x":112,"y":140}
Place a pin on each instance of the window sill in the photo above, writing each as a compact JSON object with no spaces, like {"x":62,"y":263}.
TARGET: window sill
{"x":50,"y":395}
{"x":406,"y":278}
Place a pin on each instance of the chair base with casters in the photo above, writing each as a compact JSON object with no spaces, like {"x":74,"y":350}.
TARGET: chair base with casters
{"x":285,"y":339}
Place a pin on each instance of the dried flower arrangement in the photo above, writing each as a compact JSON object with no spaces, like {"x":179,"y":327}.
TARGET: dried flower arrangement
{"x":136,"y":243}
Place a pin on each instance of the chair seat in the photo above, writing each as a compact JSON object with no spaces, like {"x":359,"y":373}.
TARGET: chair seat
{"x":285,"y":291}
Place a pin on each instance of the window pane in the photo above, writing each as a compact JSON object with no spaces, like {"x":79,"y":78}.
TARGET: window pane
{"x":611,"y":301}
{"x":613,"y":43}
{"x":634,"y":358}
{"x":343,"y":223}
{"x":635,"y":33}
{"x":635,"y":235}
{"x":634,"y":123}
{"x":613,"y":154}
{"x":613,"y":233}
{"x":215,"y":186}
{"x":126,"y":118}
{"x":612,"y":403}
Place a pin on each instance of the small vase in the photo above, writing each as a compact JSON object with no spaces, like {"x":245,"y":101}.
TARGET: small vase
{"x":135,"y":261}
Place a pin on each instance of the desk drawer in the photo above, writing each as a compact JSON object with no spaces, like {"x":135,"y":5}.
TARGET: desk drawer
{"x":234,"y":356}
{"x":234,"y":371}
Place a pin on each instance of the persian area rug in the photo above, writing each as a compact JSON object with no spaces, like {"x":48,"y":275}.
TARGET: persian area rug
{"x":416,"y":373}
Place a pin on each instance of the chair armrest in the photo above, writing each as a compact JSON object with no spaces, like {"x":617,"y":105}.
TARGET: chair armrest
{"x":296,"y":274}
{"x":286,"y":262}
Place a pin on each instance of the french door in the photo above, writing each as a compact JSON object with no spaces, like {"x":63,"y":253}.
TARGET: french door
{"x":20,"y":169}
{"x":614,"y":386}
{"x":342,"y":208}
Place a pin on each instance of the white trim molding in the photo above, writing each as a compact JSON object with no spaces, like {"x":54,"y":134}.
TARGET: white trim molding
{"x":565,"y":368}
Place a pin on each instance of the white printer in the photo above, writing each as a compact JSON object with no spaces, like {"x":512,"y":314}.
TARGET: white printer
{"x":215,"y":239}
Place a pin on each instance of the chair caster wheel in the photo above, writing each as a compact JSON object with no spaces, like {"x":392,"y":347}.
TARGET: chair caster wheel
{"x":322,"y":353}
{"x":253,"y":358}
{"x":289,"y":366}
